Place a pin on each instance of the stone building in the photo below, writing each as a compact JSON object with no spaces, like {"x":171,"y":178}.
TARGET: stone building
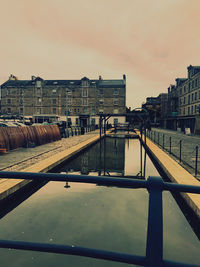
{"x":188,"y":91}
{"x":78,"y":101}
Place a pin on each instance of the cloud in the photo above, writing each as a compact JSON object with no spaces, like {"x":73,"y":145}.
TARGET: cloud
{"x":151,"y":41}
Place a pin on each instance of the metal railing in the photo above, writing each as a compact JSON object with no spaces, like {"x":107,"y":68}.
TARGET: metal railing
{"x":154,"y":245}
{"x":177,"y":149}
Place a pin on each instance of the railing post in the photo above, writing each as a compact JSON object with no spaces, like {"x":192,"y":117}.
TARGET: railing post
{"x":196,"y":161}
{"x":170,"y":145}
{"x":180,"y":150}
{"x":158,"y":138}
{"x":163,"y":142}
{"x":154,"y":246}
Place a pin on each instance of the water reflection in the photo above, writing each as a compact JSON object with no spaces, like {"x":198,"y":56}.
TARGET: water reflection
{"x":108,"y":158}
{"x":96,"y":217}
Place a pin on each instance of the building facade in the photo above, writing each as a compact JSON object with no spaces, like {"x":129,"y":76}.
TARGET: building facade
{"x":180,"y":107}
{"x":78,"y":101}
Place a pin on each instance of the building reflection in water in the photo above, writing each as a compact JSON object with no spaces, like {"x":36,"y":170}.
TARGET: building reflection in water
{"x":105,"y":158}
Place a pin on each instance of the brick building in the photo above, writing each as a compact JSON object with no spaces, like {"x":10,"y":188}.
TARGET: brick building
{"x":79,"y":101}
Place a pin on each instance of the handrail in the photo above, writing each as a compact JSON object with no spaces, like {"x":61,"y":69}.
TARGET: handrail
{"x":154,"y":246}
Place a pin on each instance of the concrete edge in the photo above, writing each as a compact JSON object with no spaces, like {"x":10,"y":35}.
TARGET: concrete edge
{"x":175,"y":172}
{"x":11,"y":186}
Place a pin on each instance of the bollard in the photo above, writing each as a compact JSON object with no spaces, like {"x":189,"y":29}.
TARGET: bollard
{"x":170,"y":145}
{"x":196,"y":161}
{"x":180,"y":149}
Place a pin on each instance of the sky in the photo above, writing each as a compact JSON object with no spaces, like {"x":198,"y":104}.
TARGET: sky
{"x":151,"y":41}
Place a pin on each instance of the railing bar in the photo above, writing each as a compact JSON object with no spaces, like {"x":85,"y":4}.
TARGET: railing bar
{"x":123,"y":182}
{"x":154,"y":246}
{"x":104,"y":180}
{"x":74,"y":250}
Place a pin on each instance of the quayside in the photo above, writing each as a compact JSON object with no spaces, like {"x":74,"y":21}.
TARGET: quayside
{"x":101,"y":217}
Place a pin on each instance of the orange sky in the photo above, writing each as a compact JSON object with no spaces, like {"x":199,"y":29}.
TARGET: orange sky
{"x":152,"y":42}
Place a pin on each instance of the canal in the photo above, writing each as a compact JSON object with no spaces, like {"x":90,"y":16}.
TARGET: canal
{"x":93,"y":216}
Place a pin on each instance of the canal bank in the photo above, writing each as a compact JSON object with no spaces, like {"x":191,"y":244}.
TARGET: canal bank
{"x":41,"y":159}
{"x":174,"y":172}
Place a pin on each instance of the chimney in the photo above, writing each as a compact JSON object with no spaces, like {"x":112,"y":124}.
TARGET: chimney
{"x":124,"y":77}
{"x":12,"y":77}
{"x":33,"y":78}
{"x":100,"y":78}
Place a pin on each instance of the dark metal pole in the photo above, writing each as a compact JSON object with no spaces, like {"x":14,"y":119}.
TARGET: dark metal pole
{"x":170,"y":145}
{"x":180,"y":150}
{"x":100,"y":126}
{"x":196,"y":161}
{"x":154,"y":246}
{"x":158,"y":138}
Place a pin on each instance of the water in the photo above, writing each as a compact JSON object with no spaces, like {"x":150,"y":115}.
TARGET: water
{"x":96,"y":216}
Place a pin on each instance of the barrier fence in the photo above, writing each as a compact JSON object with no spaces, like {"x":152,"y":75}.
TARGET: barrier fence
{"x":177,"y":148}
{"x":154,"y":245}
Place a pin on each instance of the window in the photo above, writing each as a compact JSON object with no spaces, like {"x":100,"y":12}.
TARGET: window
{"x":39,"y":111}
{"x":38,"y":91}
{"x":21,"y":110}
{"x":115,"y":111}
{"x":78,"y":110}
{"x":84,"y":101}
{"x":192,"y":84}
{"x":55,"y":82}
{"x":8,"y":91}
{"x":189,"y":87}
{"x":54,"y":101}
{"x":84,"y":92}
{"x":196,"y":83}
{"x":184,"y":111}
{"x":192,"y":110}
{"x":188,"y":110}
{"x":195,"y":97}
{"x":195,"y":108}
{"x":115,"y":121}
{"x":116,"y":102}
{"x":116,"y":91}
{"x":180,"y":91}
{"x":54,"y":91}
{"x":93,"y":122}
{"x":75,"y":110}
{"x":100,"y":101}
{"x":84,"y":109}
{"x":38,"y":84}
{"x":39,"y":100}
{"x":184,"y":100}
{"x":189,"y":99}
{"x":101,"y":110}
{"x":8,"y":101}
{"x":101,"y":91}
{"x":54,"y":110}
{"x":92,"y":110}
{"x":77,"y":121}
{"x":9,"y":110}
{"x":69,"y":92}
{"x":84,"y":83}
{"x":184,"y":89}
{"x":69,"y":101}
{"x":192,"y":97}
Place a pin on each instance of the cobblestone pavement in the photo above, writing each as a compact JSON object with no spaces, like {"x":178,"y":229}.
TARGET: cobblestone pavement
{"x":183,"y":148}
{"x":22,"y":158}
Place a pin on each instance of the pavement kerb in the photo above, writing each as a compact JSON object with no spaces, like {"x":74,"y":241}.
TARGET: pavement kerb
{"x":176,"y":173}
{"x":12,"y":185}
